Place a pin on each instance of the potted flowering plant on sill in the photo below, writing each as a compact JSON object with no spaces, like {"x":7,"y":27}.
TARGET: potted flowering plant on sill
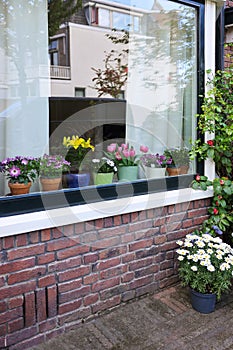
{"x":206,"y":266}
{"x":180,"y":160}
{"x":21,"y":172}
{"x":126,"y":160}
{"x":77,"y":155}
{"x":51,"y":169}
{"x":103,"y":170}
{"x":154,"y":165}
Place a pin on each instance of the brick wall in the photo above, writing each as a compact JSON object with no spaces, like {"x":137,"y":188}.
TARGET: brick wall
{"x":54,"y":279}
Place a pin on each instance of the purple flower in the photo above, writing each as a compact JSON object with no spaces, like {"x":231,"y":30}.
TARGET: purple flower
{"x":14,"y":171}
{"x":217,"y":230}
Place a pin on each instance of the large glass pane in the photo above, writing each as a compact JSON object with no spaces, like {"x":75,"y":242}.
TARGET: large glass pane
{"x":163,"y":68}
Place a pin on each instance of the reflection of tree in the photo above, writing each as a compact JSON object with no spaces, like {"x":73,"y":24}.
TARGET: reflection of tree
{"x":19,"y":37}
{"x":112,"y":78}
{"x":59,"y":11}
{"x":167,"y":38}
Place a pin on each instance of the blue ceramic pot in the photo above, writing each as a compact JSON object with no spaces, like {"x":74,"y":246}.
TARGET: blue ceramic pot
{"x":204,"y":303}
{"x":77,"y":180}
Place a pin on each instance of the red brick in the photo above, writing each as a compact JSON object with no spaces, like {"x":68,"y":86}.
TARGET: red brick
{"x":197,"y":213}
{"x":74,"y":251}
{"x":90,"y":258}
{"x":79,"y":227}
{"x":61,"y":243}
{"x":11,"y":315}
{"x":74,"y":273}
{"x":64,"y":308}
{"x":141,"y":263}
{"x":115,"y":271}
{"x":171,"y":209}
{"x":105,"y":284}
{"x":107,"y":304}
{"x":45,"y":235}
{"x":105,"y":243}
{"x":45,"y":258}
{"x":74,"y":294}
{"x":199,"y":220}
{"x":41,"y":305}
{"x":68,"y":230}
{"x":30,"y":309}
{"x":16,"y":265}
{"x":64,"y":265}
{"x":2,"y":281}
{"x":8,"y":242}
{"x":141,"y":244}
{"x":52,"y":301}
{"x":125,"y":218}
{"x":102,"y":265}
{"x":146,"y":271}
{"x":140,"y":282}
{"x":108,"y":222}
{"x":128,"y":237}
{"x":160,"y":239}
{"x":15,"y":302}
{"x":17,"y":337}
{"x":111,"y":232}
{"x":90,"y":279}
{"x":47,"y":325}
{"x":187,"y":223}
{"x":21,"y":240}
{"x":3,"y":330}
{"x":57,"y":233}
{"x":88,"y":237}
{"x":32,"y":250}
{"x":46,"y":281}
{"x":71,"y":285}
{"x":90,"y":299}
{"x":17,"y":289}
{"x":117,"y":220}
{"x":89,"y":226}
{"x":110,"y":253}
{"x":135,"y":217}
{"x":138,"y":226}
{"x":128,"y":257}
{"x":159,"y":222}
{"x":34,"y":237}
{"x":26,"y":275}
{"x":3,"y":306}
{"x":127,"y":277}
{"x":99,"y":223}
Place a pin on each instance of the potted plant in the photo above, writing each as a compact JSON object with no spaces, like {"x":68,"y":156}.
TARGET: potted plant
{"x":77,"y":151}
{"x":126,"y":160}
{"x":206,"y":266}
{"x":103,"y":170}
{"x":180,"y":160}
{"x":154,"y":165}
{"x":51,"y":169}
{"x":21,"y":172}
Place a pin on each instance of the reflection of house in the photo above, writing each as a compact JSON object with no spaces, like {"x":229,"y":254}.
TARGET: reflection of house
{"x":82,"y":43}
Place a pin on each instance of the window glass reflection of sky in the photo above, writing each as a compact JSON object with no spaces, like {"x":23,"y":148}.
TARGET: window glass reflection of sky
{"x":148,"y":4}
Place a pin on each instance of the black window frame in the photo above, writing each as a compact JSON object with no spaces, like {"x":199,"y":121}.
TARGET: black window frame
{"x":34,"y":202}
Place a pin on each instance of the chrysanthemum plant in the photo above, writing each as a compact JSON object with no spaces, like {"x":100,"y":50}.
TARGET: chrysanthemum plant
{"x":205,"y":263}
{"x":103,"y":165}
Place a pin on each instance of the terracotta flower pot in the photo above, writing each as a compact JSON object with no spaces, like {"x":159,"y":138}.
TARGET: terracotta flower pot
{"x":173,"y":171}
{"x":19,"y":188}
{"x":50,"y":184}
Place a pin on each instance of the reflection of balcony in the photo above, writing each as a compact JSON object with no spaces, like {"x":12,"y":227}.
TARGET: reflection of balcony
{"x":60,"y":72}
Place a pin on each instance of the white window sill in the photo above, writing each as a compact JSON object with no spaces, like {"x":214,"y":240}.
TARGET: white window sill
{"x":17,"y":224}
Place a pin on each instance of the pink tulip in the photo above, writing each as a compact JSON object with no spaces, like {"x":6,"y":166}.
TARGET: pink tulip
{"x":118,"y":156}
{"x":132,"y":153}
{"x":144,"y":149}
{"x":126,"y":153}
{"x":124,"y":146}
{"x":111,"y":148}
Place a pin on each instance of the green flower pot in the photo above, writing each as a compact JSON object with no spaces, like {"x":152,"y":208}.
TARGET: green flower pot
{"x":128,"y":173}
{"x":102,"y":178}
